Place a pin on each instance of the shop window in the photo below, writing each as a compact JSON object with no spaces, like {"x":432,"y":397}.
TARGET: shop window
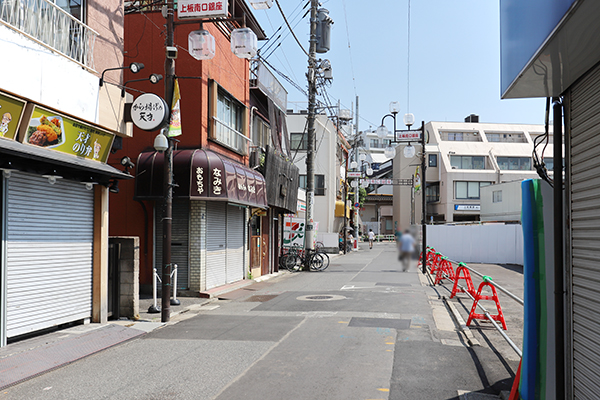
{"x":319,"y":184}
{"x":228,"y":126}
{"x":468,"y":190}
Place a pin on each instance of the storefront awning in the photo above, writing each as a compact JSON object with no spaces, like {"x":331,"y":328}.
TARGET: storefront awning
{"x":32,"y":158}
{"x":200,"y":175}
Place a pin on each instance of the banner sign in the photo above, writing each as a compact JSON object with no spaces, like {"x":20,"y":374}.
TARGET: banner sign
{"x":11,"y":110}
{"x":57,"y":132}
{"x":408,"y":135}
{"x":202,"y":9}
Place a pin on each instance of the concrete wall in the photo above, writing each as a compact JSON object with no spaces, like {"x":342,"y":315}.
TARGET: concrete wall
{"x":129,"y":272}
{"x":493,"y":243}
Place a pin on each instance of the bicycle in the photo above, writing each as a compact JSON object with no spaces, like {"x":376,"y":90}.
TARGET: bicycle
{"x":295,"y":258}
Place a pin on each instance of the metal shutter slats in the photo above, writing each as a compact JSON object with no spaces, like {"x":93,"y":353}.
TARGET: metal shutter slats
{"x":216,"y":245}
{"x":235,"y":244}
{"x":584,"y":150}
{"x":49,"y":253}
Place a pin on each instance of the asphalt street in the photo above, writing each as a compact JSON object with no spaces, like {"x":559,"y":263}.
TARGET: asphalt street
{"x":362,"y":329}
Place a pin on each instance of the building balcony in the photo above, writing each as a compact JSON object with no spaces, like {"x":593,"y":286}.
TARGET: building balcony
{"x":52,"y":27}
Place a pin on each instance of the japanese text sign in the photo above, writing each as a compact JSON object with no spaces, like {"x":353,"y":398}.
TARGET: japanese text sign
{"x":202,"y":8}
{"x":149,"y":112}
{"x":60,"y":133}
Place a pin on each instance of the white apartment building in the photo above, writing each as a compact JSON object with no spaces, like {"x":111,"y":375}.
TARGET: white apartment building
{"x":331,"y":151}
{"x":463,"y":157}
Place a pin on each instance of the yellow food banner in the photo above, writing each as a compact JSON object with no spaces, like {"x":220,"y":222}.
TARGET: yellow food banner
{"x":57,"y":132}
{"x":10,"y":114}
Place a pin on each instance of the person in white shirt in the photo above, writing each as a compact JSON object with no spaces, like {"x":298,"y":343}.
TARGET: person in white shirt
{"x":371,"y":238}
{"x":407,"y":247}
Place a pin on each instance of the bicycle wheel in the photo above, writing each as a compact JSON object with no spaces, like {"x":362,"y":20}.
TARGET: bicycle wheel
{"x":316,"y":261}
{"x":325,"y":261}
{"x":291,"y":262}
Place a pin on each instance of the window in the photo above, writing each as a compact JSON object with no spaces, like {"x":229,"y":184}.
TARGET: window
{"x":432,"y":192}
{"x":514,"y":163}
{"x":374,"y":143}
{"x":433,"y":160}
{"x":468,"y":190}
{"x":260,"y":132}
{"x":455,"y":136}
{"x":467,"y":162}
{"x":319,"y":184}
{"x":497,"y":196}
{"x":298,"y":141}
{"x":229,"y":121}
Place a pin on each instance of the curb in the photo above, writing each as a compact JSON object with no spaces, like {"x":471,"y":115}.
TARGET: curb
{"x":461,"y":323}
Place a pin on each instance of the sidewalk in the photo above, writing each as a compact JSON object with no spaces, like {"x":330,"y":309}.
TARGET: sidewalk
{"x":31,"y":357}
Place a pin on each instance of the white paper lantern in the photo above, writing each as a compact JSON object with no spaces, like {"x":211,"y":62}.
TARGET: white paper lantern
{"x":261,"y":4}
{"x":201,"y":45}
{"x":381,"y":132}
{"x":389,"y":152}
{"x":409,"y":151}
{"x":244,"y":43}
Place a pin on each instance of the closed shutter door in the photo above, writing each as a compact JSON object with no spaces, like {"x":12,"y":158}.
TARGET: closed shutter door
{"x":585,"y":234}
{"x":180,"y":252}
{"x":216,"y":244}
{"x":49,"y":241}
{"x":235,"y":244}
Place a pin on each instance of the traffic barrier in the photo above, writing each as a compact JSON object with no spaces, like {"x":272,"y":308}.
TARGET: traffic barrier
{"x":494,"y":297}
{"x":462,"y":272}
{"x":435,"y":262}
{"x":444,"y":271}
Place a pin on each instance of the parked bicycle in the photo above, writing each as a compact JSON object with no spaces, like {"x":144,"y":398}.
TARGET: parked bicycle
{"x":294,"y":258}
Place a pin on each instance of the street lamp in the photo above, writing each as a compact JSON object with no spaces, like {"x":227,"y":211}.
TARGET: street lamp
{"x":409,"y":152}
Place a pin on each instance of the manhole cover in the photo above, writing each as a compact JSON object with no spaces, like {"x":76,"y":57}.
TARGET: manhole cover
{"x":320,"y":297}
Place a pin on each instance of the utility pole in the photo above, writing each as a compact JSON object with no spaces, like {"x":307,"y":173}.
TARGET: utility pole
{"x":165,"y":309}
{"x":423,"y":194}
{"x":356,"y":188}
{"x":310,"y":147}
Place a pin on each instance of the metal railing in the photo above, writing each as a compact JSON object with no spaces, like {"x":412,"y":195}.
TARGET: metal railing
{"x":483,"y":309}
{"x":51,"y":26}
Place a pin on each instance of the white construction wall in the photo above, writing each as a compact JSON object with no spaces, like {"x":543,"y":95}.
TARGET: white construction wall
{"x":491,"y":243}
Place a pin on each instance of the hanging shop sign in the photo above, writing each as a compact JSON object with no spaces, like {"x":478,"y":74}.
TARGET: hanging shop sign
{"x":54,"y":131}
{"x":11,"y":110}
{"x":202,"y":9}
{"x":149,"y":112}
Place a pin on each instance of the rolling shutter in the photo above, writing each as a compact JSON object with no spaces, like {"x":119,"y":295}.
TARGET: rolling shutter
{"x":216,"y":244}
{"x":49,"y":250}
{"x":585,"y":234}
{"x":179,"y":241}
{"x":235,"y":244}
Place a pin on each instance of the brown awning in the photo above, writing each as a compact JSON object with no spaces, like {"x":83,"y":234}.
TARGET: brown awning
{"x":200,"y":175}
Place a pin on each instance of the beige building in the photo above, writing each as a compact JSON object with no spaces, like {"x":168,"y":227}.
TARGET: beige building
{"x":463,"y":157}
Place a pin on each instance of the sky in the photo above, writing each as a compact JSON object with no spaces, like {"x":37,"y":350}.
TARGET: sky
{"x":450,"y":70}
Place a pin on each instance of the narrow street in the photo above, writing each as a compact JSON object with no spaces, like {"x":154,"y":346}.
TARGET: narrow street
{"x":362,"y":329}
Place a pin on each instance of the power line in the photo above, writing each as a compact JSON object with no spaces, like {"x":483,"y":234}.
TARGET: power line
{"x":349,"y":48}
{"x":289,"y":27}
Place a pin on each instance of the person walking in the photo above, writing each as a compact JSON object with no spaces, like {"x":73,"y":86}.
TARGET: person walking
{"x":371,"y":238}
{"x":407,"y":248}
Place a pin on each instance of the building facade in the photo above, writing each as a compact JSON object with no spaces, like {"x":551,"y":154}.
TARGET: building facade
{"x":331,"y":154}
{"x":59,"y":124}
{"x":462,"y":158}
{"x":219,"y":195}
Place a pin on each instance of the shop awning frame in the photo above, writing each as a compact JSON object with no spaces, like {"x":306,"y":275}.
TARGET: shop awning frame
{"x":29,"y":158}
{"x":200,"y":175}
